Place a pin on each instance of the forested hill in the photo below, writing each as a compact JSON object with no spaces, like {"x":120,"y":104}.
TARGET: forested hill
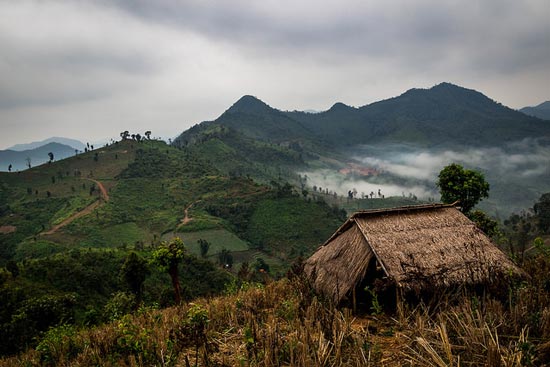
{"x":444,"y":115}
{"x":542,"y":111}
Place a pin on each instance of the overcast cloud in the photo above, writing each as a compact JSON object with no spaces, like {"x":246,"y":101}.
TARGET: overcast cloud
{"x":90,"y":69}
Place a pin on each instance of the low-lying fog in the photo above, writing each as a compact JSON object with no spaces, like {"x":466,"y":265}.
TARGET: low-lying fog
{"x":519,"y":173}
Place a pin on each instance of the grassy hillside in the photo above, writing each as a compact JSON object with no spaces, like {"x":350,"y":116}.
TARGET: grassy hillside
{"x":150,"y":188}
{"x":67,"y":227}
{"x":236,"y":154}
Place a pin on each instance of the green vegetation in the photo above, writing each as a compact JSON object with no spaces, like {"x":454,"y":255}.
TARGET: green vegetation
{"x":278,"y":223}
{"x":425,"y":117}
{"x":217,"y":238}
{"x":236,"y":154}
{"x":542,"y":211}
{"x":285,"y":323}
{"x":464,"y":186}
{"x":168,"y":256}
{"x":75,"y":254}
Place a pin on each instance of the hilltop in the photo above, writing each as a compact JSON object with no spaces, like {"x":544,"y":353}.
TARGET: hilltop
{"x":542,"y":111}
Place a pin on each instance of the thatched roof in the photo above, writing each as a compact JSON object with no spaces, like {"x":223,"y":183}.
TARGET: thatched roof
{"x":417,"y":246}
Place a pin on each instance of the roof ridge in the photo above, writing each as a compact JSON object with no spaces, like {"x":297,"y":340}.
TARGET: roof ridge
{"x":403,"y":208}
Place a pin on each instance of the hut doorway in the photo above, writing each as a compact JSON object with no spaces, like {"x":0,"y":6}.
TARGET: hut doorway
{"x":374,"y":294}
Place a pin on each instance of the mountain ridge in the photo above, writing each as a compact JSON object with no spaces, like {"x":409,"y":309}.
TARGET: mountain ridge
{"x":37,"y":156}
{"x":541,"y":111}
{"x":75,"y":144}
{"x":445,"y":114}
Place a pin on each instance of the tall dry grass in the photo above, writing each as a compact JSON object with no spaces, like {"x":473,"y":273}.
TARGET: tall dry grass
{"x":284,"y":324}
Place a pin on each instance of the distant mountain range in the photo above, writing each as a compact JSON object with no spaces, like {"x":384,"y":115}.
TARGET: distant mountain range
{"x":542,"y":111}
{"x":75,"y":144}
{"x":444,"y":115}
{"x":37,"y":156}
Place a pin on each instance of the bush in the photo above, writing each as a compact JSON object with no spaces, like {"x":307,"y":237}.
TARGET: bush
{"x":58,"y":345}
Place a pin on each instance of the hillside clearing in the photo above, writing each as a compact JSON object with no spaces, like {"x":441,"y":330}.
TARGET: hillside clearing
{"x":90,"y":208}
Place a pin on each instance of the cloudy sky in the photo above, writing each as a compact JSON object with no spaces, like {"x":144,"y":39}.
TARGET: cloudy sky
{"x":90,"y":69}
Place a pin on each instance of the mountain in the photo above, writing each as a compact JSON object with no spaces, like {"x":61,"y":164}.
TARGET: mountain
{"x":444,"y":115}
{"x":440,"y":125}
{"x":256,"y":119}
{"x":38,"y":156}
{"x":75,"y":144}
{"x":542,"y":111}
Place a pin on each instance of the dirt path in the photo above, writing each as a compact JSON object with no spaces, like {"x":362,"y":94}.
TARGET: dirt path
{"x":261,"y":191}
{"x":186,"y":219}
{"x":104,"y":192}
{"x":87,"y":210}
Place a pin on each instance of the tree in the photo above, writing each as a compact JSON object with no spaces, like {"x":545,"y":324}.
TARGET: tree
{"x":466,"y":186}
{"x":12,"y":267}
{"x":261,"y":265}
{"x":148,"y":134}
{"x":484,"y":222}
{"x":133,"y":272}
{"x":225,"y":258}
{"x":168,"y":256}
{"x":28,"y":159}
{"x":50,"y":155}
{"x":124,"y":135}
{"x":542,"y":211}
{"x":205,"y":246}
{"x":9,"y":168}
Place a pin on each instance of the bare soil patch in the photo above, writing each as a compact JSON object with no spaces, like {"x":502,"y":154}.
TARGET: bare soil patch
{"x":7,"y":229}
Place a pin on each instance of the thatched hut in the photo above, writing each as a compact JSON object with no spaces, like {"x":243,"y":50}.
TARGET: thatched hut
{"x":410,"y":248}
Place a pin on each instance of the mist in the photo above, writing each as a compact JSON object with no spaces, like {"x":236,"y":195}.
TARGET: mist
{"x":526,"y":158}
{"x":518,"y":172}
{"x":341,"y":184}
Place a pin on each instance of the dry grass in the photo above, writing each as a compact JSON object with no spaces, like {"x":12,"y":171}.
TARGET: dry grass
{"x":284,"y":324}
